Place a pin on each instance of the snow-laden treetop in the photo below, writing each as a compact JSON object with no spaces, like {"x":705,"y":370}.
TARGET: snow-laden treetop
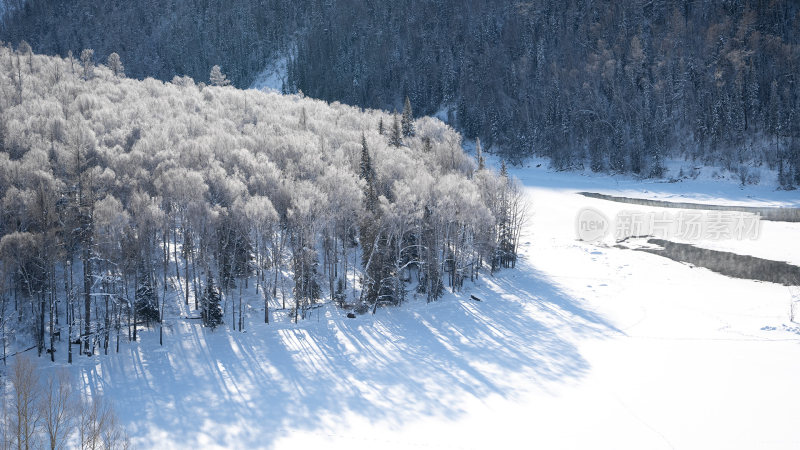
{"x":95,"y":161}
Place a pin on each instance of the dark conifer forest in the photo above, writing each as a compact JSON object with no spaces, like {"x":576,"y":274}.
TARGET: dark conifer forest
{"x":611,"y":86}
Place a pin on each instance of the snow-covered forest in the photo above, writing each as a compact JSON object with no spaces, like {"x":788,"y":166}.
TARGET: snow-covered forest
{"x":612,"y":86}
{"x":343,"y":224}
{"x":117,"y":192}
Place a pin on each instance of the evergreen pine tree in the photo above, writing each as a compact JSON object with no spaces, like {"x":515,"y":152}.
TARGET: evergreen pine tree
{"x":479,"y":154}
{"x":396,"y":136}
{"x":372,"y":243}
{"x":234,"y":252}
{"x":380,"y":126}
{"x":408,"y":119}
{"x":427,"y":147}
{"x":366,"y":171}
{"x":340,"y":294}
{"x":146,"y":301}
{"x":210,"y":307}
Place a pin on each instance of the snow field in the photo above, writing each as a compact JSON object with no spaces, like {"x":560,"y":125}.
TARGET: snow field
{"x":581,"y":346}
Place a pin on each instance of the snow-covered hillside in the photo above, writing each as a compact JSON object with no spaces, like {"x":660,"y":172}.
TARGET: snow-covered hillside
{"x":123,"y":197}
{"x":110,"y":180}
{"x":582,"y":346}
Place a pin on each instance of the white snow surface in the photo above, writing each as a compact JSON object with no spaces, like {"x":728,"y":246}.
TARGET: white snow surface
{"x":580,"y":346}
{"x":273,"y":77}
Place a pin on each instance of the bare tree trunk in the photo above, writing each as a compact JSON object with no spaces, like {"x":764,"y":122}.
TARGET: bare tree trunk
{"x":164,"y":296}
{"x":344,"y":262}
{"x":70,"y":312}
{"x":266,"y":305}
{"x":175,"y":252}
{"x":126,"y":293}
{"x":186,"y":268}
{"x":119,"y":324}
{"x":87,"y":297}
{"x":194,"y":282}
{"x":135,"y":318}
{"x":258,"y":262}
{"x":40,"y":331}
{"x":107,"y":325}
{"x":241,"y":316}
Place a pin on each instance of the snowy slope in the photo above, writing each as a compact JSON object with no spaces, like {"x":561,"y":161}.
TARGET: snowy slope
{"x":273,"y":77}
{"x":582,"y":346}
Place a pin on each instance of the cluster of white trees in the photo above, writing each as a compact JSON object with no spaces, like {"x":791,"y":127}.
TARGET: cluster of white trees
{"x":47,"y":412}
{"x":117,"y":192}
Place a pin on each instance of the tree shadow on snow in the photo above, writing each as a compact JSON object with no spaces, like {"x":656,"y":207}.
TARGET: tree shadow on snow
{"x":248,"y":389}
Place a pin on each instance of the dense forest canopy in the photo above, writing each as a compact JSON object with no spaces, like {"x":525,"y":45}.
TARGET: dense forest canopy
{"x":116,"y":192}
{"x":614,"y":85}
